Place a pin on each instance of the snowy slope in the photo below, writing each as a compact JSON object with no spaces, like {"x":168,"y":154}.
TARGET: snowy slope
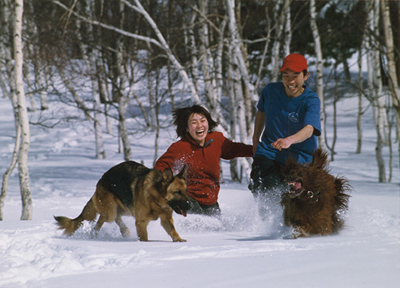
{"x":239,"y":251}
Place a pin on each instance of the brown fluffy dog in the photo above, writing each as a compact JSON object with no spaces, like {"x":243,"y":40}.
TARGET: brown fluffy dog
{"x":132,"y":189}
{"x":316,"y":199}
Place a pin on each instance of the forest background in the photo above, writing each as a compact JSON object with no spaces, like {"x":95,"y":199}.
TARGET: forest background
{"x":125,"y":64}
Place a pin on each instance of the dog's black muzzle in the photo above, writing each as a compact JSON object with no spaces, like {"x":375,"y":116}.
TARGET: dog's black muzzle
{"x":180,"y":206}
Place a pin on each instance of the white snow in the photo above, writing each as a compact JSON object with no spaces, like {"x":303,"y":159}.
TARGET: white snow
{"x":239,"y":251}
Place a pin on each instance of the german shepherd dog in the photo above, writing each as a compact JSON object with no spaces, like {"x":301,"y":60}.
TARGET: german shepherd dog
{"x":316,"y":200}
{"x":130,"y":188}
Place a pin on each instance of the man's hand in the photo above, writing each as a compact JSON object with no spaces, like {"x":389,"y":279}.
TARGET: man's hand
{"x":282,"y":143}
{"x":303,"y":134}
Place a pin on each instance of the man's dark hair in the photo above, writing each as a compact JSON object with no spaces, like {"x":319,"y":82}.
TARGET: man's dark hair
{"x":181,"y":118}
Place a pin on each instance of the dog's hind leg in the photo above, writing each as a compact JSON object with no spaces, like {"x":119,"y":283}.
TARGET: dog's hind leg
{"x":99,"y":224}
{"x":122,"y":227}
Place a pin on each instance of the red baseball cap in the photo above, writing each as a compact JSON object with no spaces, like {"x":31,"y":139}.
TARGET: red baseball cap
{"x":295,"y":62}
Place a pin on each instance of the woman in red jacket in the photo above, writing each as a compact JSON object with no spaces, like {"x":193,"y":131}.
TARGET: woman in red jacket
{"x":200,"y":149}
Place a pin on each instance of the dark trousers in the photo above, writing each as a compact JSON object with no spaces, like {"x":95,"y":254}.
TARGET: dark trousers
{"x":267,"y":184}
{"x":265,"y":175}
{"x":208,"y":210}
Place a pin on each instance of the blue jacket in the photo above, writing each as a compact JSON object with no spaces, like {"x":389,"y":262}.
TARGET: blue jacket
{"x":285,"y":116}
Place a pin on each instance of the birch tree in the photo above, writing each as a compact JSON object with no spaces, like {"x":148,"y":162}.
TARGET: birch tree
{"x":375,"y":85}
{"x":281,"y":16}
{"x":7,"y":85}
{"x":23,"y":120}
{"x":211,"y":62}
{"x":90,"y":56}
{"x":360,"y":97}
{"x":236,"y":42}
{"x":392,"y":75}
{"x":238,"y":61}
{"x":320,"y":74}
{"x":288,"y":31}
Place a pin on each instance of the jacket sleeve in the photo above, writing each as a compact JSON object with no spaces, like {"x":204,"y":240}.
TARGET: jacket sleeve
{"x":231,"y":150}
{"x":166,"y":160}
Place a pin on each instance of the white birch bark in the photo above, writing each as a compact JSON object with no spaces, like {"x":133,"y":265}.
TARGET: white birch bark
{"x":237,"y":53}
{"x":239,"y":104}
{"x":320,"y":79}
{"x":119,"y":88}
{"x":206,"y":59}
{"x":266,"y":46}
{"x":27,"y":207}
{"x":212,"y":66}
{"x":360,"y":94}
{"x":90,"y":56}
{"x":288,"y":30}
{"x":6,"y":175}
{"x":393,"y":81}
{"x":8,"y":88}
{"x":280,"y":14}
{"x":375,"y":84}
{"x":193,"y":53}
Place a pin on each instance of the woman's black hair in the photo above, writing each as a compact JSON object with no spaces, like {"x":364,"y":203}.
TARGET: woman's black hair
{"x":181,"y":118}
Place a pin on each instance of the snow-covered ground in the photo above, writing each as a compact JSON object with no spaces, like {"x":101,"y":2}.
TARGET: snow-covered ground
{"x":239,"y":251}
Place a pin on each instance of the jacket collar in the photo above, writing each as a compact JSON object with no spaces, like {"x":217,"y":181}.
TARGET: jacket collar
{"x":208,"y":141}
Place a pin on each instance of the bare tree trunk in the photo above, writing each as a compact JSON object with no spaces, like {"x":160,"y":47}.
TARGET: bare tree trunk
{"x":267,"y":41}
{"x":193,"y":54}
{"x":375,"y":85}
{"x":393,"y":81}
{"x":212,"y":66}
{"x":10,"y":169}
{"x":122,"y":130}
{"x":236,"y":42}
{"x":335,"y":100}
{"x":288,"y":30}
{"x":8,"y":88}
{"x":238,"y":102}
{"x":320,"y":79}
{"x":90,"y":55}
{"x":360,"y":108}
{"x":152,"y":93}
{"x":234,"y":118}
{"x":280,"y":15}
{"x":22,"y":116}
{"x":119,"y":82}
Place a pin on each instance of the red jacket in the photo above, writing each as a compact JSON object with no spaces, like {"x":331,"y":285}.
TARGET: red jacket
{"x":202,"y":163}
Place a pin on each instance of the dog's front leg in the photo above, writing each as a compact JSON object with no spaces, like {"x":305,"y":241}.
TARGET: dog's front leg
{"x":122,"y":227}
{"x":168,"y":223}
{"x":299,"y":231}
{"x":141,"y":229}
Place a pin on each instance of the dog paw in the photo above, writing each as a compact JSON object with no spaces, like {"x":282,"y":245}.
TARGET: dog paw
{"x":179,"y":240}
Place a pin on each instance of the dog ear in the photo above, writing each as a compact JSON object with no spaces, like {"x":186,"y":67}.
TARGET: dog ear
{"x":168,"y":175}
{"x":183,"y":173}
{"x":320,"y":158}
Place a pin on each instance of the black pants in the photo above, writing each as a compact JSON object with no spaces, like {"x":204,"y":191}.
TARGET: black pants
{"x":267,"y":184}
{"x":208,"y":210}
{"x":266,"y":175}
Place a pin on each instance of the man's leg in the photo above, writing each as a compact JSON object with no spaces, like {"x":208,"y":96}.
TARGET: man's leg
{"x":208,"y":210}
{"x":266,"y":184}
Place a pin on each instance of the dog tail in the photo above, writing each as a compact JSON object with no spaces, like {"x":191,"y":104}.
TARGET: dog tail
{"x":71,"y":225}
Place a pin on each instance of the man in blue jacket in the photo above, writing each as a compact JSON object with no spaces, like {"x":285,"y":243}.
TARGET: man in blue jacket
{"x":288,"y":122}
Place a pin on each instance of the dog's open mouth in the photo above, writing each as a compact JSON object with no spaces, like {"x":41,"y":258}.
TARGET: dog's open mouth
{"x":180,"y":211}
{"x":295,"y":188}
{"x":180,"y":207}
